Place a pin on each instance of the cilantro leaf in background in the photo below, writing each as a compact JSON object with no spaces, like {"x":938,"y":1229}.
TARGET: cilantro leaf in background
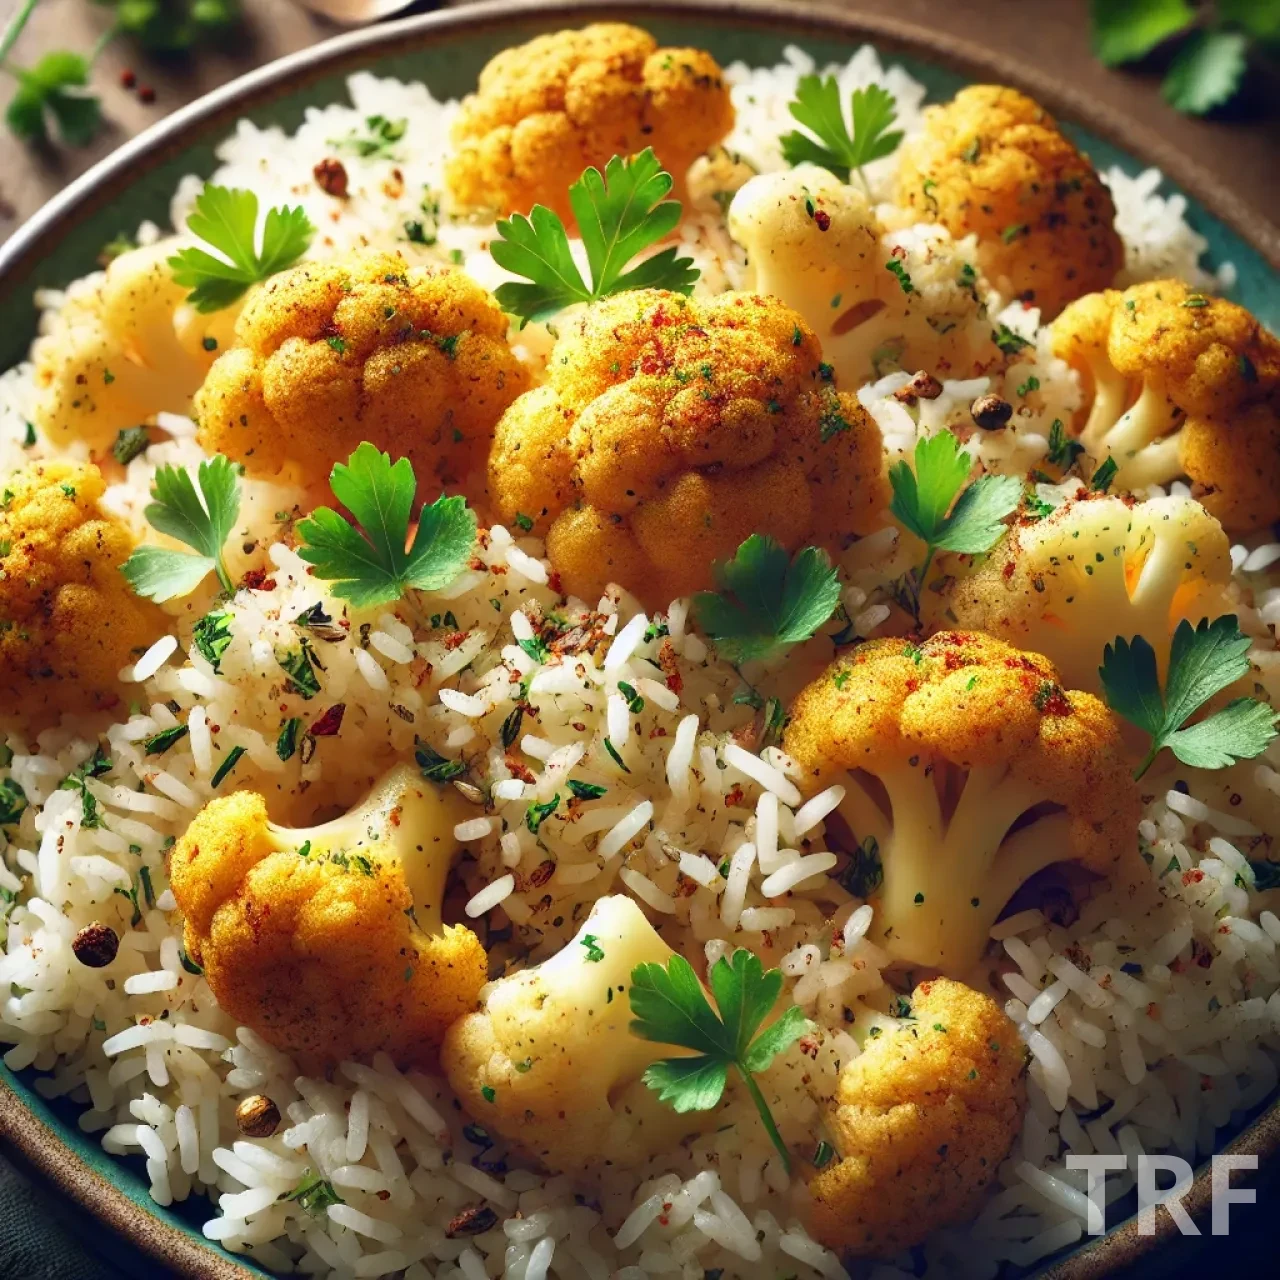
{"x":52,"y":91}
{"x":226,"y":219}
{"x":933,"y":502}
{"x":817,"y":107}
{"x":1125,"y":30}
{"x":1203,"y":661}
{"x":1206,"y":71}
{"x":620,"y":213}
{"x":670,"y":1007}
{"x":169,"y":26}
{"x":369,"y":564}
{"x":768,"y":600}
{"x":202,"y":520}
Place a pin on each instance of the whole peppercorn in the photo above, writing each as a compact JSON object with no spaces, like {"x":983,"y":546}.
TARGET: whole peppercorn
{"x":96,"y":945}
{"x":331,"y":177}
{"x":257,"y":1116}
{"x":991,"y":413}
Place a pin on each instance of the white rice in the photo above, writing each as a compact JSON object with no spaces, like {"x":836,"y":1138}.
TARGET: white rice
{"x":1131,"y":1012}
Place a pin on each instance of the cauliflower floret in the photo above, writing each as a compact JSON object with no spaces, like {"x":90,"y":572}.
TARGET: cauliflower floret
{"x":550,"y":1061}
{"x":122,"y":351}
{"x":69,"y":621}
{"x":908,"y":299}
{"x":993,"y":163}
{"x":1180,"y":383}
{"x":1097,"y":568}
{"x":925,"y":1115}
{"x":548,"y":109}
{"x":669,"y":430}
{"x":328,"y":940}
{"x":972,"y":769}
{"x":363,"y":347}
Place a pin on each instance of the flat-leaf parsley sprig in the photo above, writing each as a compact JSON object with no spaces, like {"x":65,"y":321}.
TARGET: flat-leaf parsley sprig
{"x":226,"y":219}
{"x":670,"y":1007}
{"x":202,"y":520}
{"x":838,"y":148}
{"x":620,"y":213}
{"x":935,"y":502}
{"x":375,"y":563}
{"x":1203,"y":660}
{"x":768,"y":600}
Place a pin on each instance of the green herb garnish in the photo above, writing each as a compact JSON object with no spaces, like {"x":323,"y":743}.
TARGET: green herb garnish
{"x":229,"y":762}
{"x":129,"y":443}
{"x":212,"y":635}
{"x":434,"y":766}
{"x":841,"y":150}
{"x":159,"y":743}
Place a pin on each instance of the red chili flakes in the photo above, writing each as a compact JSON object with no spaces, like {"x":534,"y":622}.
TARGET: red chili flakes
{"x":330,"y":722}
{"x":257,"y":580}
{"x":553,"y":581}
{"x":1194,"y":876}
{"x":454,"y":639}
{"x":658,"y":732}
{"x":519,"y":770}
{"x":146,"y":94}
{"x":1008,"y":570}
{"x":822,"y":218}
{"x":128,"y":78}
{"x":734,"y":798}
{"x":331,"y":177}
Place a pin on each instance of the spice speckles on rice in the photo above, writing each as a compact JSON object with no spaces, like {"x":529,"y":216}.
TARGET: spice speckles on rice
{"x":620,"y":757}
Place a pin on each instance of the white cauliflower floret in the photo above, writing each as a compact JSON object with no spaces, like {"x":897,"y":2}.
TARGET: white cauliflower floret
{"x":551,"y":1063}
{"x":907,"y":299}
{"x":124,"y":350}
{"x":1097,"y":568}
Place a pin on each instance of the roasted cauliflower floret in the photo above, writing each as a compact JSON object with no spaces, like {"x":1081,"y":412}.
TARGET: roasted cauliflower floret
{"x":993,"y":163}
{"x":669,"y":430}
{"x":69,"y":622}
{"x":908,"y":300}
{"x":548,"y":109}
{"x":1097,"y":568}
{"x":364,"y":347}
{"x":328,"y":941}
{"x":1180,"y":383}
{"x":924,"y":1116}
{"x":123,"y":351}
{"x":972,"y":769}
{"x":550,"y":1061}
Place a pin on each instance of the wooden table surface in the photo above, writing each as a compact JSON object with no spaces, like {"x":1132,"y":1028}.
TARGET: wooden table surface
{"x":1243,"y":149}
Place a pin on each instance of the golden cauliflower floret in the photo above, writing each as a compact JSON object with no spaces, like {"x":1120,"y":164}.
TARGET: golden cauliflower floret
{"x":363,"y":347}
{"x":122,"y":351}
{"x":550,"y":1061}
{"x":993,"y":163}
{"x":328,"y":941}
{"x":669,"y":430}
{"x":972,"y":768}
{"x":69,"y":622}
{"x":1180,"y":383}
{"x":876,"y":300}
{"x":1098,"y":567}
{"x":548,"y":109}
{"x":924,"y":1116}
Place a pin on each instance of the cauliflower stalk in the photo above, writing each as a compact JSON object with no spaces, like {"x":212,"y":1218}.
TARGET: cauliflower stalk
{"x":68,"y":621}
{"x":364,"y":347}
{"x":875,"y":300}
{"x":1096,"y":568}
{"x":546,"y":110}
{"x":924,"y":1116}
{"x":993,"y":163}
{"x":1180,"y":383}
{"x":970,"y":768}
{"x":328,"y":941}
{"x":124,"y":350}
{"x":550,"y":1061}
{"x":669,"y":430}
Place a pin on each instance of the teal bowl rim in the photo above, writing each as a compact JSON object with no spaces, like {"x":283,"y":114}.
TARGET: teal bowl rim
{"x":40,"y":1146}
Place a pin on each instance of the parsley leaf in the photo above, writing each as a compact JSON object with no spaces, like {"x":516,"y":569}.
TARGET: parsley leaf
{"x":1205,"y":72}
{"x":619,"y":214}
{"x":1203,"y":661}
{"x":201,"y":520}
{"x":369,"y":563}
{"x":1125,"y":30}
{"x":817,"y":107}
{"x":934,"y":503}
{"x":171,"y":26}
{"x":1063,"y":450}
{"x":226,"y":219}
{"x":768,"y":600}
{"x":52,"y":91}
{"x":671,"y":1007}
